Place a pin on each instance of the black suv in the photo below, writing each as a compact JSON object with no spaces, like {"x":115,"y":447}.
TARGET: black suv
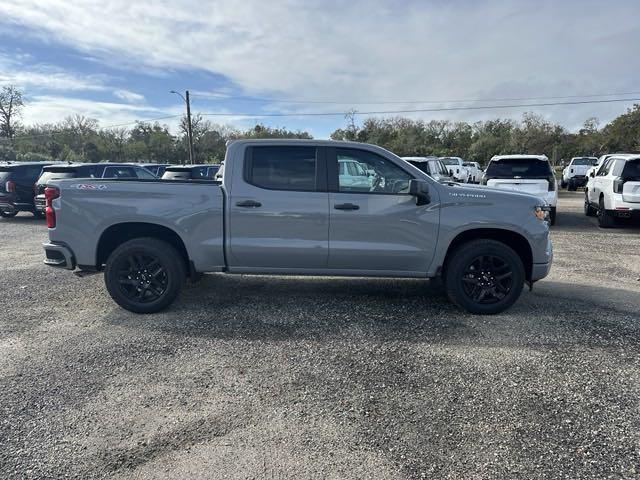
{"x":17,"y":183}
{"x":190,"y":172}
{"x":86,"y":170}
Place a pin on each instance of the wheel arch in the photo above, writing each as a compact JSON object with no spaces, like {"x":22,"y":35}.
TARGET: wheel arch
{"x":512,"y":239}
{"x":116,"y":234}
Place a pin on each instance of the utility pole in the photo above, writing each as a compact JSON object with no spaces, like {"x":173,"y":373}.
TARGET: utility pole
{"x":189,"y":127}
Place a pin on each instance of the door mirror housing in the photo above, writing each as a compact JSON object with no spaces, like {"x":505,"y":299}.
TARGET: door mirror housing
{"x":592,"y":174}
{"x":420,"y":190}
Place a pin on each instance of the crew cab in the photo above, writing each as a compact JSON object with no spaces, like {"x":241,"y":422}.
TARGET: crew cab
{"x":524,"y":173}
{"x":456,"y":168}
{"x":574,"y":175}
{"x":282,"y":209}
{"x":85,"y":170}
{"x":432,"y":166}
{"x":17,"y":183}
{"x":190,"y":172}
{"x":614,"y":190}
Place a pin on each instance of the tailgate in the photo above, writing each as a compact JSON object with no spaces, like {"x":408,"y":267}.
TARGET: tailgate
{"x":534,"y":186}
{"x":631,"y":192}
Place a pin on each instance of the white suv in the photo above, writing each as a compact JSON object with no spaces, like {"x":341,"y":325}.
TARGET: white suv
{"x":575,"y":174}
{"x":524,"y":173}
{"x":456,"y":168}
{"x":475,"y":172}
{"x":614,"y":190}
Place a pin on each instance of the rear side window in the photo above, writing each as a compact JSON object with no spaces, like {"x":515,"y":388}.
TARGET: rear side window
{"x":519,"y":167}
{"x":282,"y":168}
{"x":119,"y":172}
{"x":48,"y":175}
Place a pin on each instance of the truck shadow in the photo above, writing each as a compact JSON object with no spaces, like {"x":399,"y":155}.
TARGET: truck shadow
{"x":286,"y":308}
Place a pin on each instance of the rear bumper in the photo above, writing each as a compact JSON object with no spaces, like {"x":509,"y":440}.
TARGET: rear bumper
{"x":579,"y":180}
{"x":58,"y":255}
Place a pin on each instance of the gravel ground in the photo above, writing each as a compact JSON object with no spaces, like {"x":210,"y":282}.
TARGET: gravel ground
{"x":252,"y":377}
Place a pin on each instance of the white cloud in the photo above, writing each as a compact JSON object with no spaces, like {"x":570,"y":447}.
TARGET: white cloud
{"x":366,"y":49}
{"x":129,"y":96}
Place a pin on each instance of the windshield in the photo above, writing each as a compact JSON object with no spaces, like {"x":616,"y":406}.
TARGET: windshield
{"x":584,"y":161}
{"x":450,"y":161}
{"x":519,"y":167}
{"x":436,"y":166}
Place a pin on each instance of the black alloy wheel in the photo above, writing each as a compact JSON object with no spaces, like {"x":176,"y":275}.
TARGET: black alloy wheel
{"x":488,"y":279}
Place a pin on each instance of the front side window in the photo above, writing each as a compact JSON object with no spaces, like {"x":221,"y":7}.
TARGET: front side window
{"x":361,"y":171}
{"x":282,"y":168}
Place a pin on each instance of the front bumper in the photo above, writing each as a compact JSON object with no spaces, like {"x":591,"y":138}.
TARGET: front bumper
{"x":58,"y":255}
{"x":541,"y":270}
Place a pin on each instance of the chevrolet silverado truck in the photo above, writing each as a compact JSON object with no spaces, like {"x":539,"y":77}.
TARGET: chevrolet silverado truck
{"x":282,"y":209}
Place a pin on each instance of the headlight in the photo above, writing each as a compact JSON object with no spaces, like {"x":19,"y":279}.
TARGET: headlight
{"x":542,"y":212}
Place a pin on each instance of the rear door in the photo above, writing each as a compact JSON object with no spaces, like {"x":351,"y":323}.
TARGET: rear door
{"x":377,"y":227}
{"x":278,"y":209}
{"x":25,"y":177}
{"x":528,"y":175}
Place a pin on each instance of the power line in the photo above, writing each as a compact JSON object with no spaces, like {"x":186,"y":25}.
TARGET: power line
{"x":407,"y":102}
{"x":419,"y":110}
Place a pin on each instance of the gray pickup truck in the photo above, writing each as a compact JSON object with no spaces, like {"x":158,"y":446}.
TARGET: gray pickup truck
{"x":299,"y":207}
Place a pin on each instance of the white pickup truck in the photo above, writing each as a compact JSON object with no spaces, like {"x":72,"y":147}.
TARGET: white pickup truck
{"x":574,"y":175}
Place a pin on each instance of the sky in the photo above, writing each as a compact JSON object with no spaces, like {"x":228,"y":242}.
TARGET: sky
{"x":244,"y":62}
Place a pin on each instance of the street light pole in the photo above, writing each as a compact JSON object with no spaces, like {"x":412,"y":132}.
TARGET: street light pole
{"x":189,"y":127}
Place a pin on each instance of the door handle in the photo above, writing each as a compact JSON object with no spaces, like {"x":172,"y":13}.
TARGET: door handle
{"x":346,"y":206}
{"x":249,"y":204}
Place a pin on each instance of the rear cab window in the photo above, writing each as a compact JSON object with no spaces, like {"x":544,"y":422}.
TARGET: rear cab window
{"x":519,"y":167}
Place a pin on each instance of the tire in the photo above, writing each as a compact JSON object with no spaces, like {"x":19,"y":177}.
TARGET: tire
{"x":463,"y":286}
{"x":4,"y":214}
{"x":605,"y":217}
{"x":130,"y":279}
{"x":552,"y":216}
{"x":589,"y":211}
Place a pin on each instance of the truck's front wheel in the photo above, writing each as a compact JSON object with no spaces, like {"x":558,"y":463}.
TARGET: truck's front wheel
{"x":144,"y":275}
{"x":484,"y":277}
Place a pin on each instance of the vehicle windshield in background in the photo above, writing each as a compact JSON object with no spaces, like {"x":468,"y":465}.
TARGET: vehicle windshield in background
{"x":422,"y":166}
{"x":4,"y":175}
{"x":176,"y":174}
{"x":584,"y":161}
{"x":519,"y":167}
{"x":631,"y":170}
{"x":449,"y":161}
{"x":437,"y":166}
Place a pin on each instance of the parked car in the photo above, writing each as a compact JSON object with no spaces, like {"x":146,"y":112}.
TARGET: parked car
{"x":475,"y":171}
{"x":524,"y":173}
{"x":156,"y":168}
{"x":456,"y":168}
{"x":17,"y":182}
{"x":574,"y":175}
{"x":354,"y":174}
{"x":86,"y":170}
{"x":190,"y":172}
{"x":432,"y":166}
{"x":282,"y":209}
{"x":614,"y":191}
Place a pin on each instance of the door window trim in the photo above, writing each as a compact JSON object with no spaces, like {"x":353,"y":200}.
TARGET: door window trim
{"x":321,"y":168}
{"x":333,"y":181}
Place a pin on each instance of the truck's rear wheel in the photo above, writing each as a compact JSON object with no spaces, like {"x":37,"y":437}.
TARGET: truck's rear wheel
{"x":6,"y":214}
{"x":144,"y":275}
{"x":484,"y":277}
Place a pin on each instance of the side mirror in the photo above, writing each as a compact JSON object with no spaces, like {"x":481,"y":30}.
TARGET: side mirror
{"x":592,"y":174}
{"x":420,"y":190}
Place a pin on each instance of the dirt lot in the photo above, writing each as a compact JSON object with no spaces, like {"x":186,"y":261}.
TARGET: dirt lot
{"x":251,"y":377}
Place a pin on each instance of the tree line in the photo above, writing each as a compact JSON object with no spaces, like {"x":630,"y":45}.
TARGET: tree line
{"x":78,"y":138}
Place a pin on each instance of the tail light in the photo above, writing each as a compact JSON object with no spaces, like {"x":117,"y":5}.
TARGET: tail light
{"x":552,"y":183}
{"x":10,"y":186}
{"x":50,"y":194}
{"x":618,"y":185}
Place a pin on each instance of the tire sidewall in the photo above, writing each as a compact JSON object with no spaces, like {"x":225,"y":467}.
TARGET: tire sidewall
{"x":461,"y":260}
{"x":166,"y":255}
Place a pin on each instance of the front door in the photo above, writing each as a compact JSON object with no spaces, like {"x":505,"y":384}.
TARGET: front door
{"x":278,"y":212}
{"x":375,"y":225}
